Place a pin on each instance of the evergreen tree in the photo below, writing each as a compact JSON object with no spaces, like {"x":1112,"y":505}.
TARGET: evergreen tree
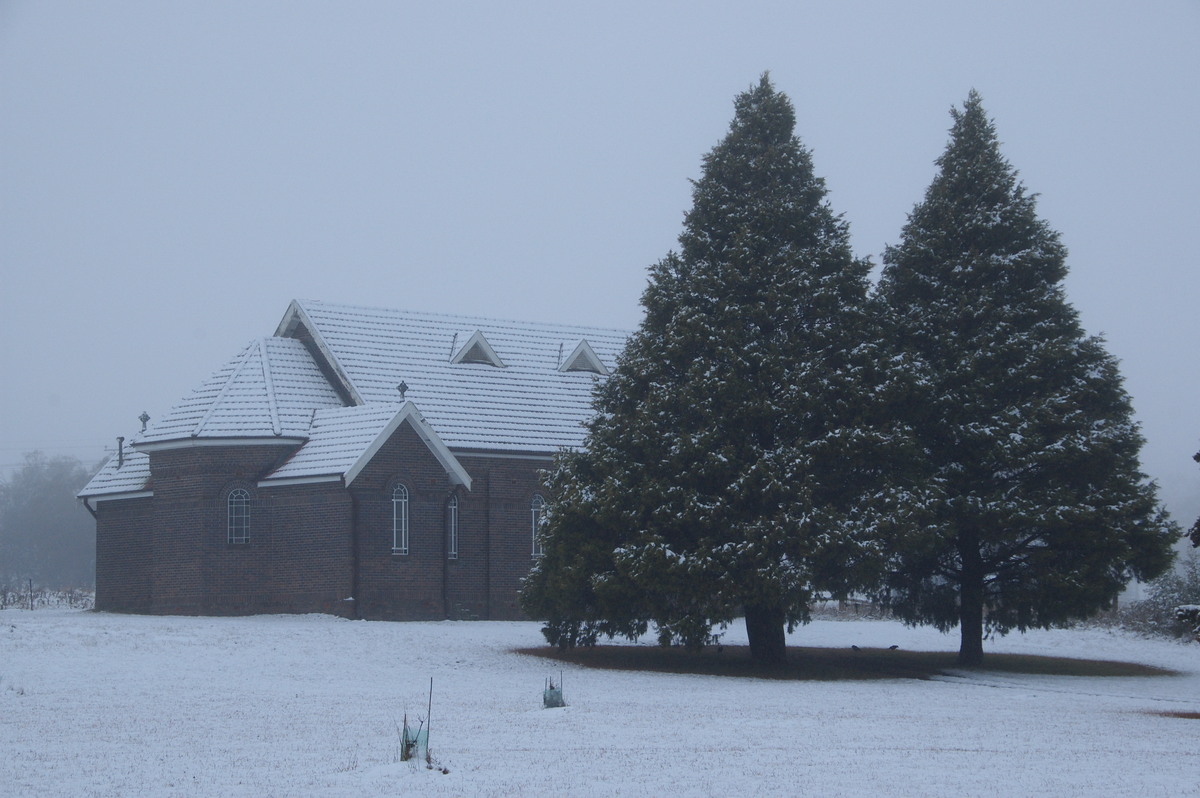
{"x":1036,"y":509}
{"x":1194,"y":534}
{"x":723,"y":469}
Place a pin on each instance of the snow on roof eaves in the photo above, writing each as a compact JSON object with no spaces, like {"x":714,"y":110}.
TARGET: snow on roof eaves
{"x":296,"y":316}
{"x":269,"y":390}
{"x":343,"y":441}
{"x":530,"y":405}
{"x":128,"y":481}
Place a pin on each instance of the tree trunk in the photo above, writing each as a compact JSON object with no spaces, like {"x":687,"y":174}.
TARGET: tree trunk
{"x":970,"y":611}
{"x":765,"y":630}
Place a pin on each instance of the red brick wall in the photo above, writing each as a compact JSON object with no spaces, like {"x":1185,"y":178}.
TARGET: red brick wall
{"x":494,"y":535}
{"x":501,"y":493}
{"x":310,"y":549}
{"x":402,"y":586}
{"x":123,"y":556}
{"x":196,"y":570}
{"x":169,"y":554}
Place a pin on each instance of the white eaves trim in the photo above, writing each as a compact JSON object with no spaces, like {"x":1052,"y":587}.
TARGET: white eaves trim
{"x":277,"y":483}
{"x":458,"y":475}
{"x":478,"y":350}
{"x":198,"y":443}
{"x":108,"y":497}
{"x":584,"y":358}
{"x":496,"y":455}
{"x":295,"y":315}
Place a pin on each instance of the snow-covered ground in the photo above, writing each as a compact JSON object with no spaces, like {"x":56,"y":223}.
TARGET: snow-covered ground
{"x":93,"y":704}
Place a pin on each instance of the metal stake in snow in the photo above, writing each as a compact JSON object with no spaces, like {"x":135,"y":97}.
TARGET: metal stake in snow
{"x":553,"y":696}
{"x":413,"y":740}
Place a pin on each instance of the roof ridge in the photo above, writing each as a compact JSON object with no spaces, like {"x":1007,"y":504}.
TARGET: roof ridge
{"x":298,"y":313}
{"x":467,"y":320}
{"x":272,"y":401}
{"x":246,"y":355}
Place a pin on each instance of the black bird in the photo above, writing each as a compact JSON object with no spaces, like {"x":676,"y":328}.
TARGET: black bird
{"x":856,"y":648}
{"x":893,"y":648}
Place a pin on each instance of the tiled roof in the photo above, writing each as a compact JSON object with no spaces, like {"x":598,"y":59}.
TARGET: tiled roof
{"x":269,"y":390}
{"x":133,"y":475}
{"x":274,"y":389}
{"x":529,"y":405}
{"x":341,"y":441}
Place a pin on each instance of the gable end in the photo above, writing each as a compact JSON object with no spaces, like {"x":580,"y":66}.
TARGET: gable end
{"x":584,"y":358}
{"x":478,"y":350}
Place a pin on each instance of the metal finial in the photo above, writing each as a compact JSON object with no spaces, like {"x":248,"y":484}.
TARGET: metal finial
{"x":145,"y":419}
{"x":403,"y":389}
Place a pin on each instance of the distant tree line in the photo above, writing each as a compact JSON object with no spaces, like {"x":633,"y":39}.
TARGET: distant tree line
{"x":46,"y":536}
{"x":951,"y":443}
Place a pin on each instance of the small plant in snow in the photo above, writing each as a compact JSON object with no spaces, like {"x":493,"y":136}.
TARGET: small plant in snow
{"x":552,"y":695}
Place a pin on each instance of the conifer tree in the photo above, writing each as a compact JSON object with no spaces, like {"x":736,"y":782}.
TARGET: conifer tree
{"x":1194,"y":534}
{"x":722,"y":470}
{"x":1037,"y":510}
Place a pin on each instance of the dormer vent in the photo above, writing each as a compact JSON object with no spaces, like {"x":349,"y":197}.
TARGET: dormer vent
{"x":478,"y":350}
{"x":584,"y":358}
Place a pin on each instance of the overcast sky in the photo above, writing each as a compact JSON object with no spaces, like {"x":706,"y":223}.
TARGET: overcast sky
{"x":173,"y":174}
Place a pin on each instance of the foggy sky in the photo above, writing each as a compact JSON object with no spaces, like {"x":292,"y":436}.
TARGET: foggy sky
{"x":173,"y":174}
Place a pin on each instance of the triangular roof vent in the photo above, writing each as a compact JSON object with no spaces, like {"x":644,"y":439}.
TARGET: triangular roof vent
{"x":584,"y":358}
{"x":478,"y":350}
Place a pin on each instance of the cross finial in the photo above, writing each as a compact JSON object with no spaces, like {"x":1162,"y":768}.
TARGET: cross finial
{"x":145,"y":419}
{"x":403,"y":389}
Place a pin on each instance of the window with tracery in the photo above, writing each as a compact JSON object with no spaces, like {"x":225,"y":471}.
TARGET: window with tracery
{"x":399,"y":520}
{"x":238,"y":516}
{"x":452,"y":528}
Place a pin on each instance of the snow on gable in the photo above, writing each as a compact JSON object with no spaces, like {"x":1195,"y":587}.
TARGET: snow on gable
{"x":478,"y":350}
{"x":584,"y":358}
{"x":296,"y":324}
{"x":529,"y":405}
{"x":342,"y":441}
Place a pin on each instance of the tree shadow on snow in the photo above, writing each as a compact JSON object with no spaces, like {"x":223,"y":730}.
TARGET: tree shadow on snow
{"x":829,"y":664}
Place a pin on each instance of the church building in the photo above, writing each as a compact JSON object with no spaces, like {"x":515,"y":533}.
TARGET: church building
{"x":364,"y":462}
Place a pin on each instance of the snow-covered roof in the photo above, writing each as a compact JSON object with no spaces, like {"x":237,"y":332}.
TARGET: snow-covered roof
{"x":342,"y":441}
{"x":269,"y":390}
{"x":526,"y":404}
{"x":481,"y":385}
{"x":124,"y":475}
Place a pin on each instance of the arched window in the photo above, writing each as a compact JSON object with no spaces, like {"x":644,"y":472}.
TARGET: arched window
{"x":452,"y":528}
{"x":399,"y":520}
{"x":238,"y":505}
{"x":537,"y":507}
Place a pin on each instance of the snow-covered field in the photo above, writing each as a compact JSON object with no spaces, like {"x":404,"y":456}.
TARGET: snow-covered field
{"x":93,"y":704}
